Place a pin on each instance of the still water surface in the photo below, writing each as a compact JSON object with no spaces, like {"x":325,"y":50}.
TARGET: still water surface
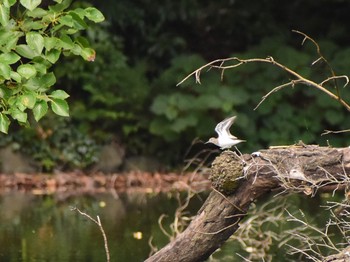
{"x":43,"y":228}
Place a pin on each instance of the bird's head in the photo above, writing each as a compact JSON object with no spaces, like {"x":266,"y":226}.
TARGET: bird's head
{"x":212,"y":140}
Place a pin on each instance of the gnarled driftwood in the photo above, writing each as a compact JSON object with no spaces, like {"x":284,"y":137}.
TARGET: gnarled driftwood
{"x":240,"y":180}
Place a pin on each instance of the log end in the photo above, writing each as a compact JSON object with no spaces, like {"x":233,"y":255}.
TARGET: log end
{"x":226,"y":171}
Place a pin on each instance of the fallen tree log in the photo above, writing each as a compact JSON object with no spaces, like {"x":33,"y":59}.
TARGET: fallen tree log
{"x":240,"y":180}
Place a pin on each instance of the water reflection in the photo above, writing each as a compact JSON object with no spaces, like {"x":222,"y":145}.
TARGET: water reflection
{"x":43,"y":228}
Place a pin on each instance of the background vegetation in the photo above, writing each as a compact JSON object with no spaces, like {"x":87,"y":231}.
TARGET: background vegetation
{"x":144,"y":48}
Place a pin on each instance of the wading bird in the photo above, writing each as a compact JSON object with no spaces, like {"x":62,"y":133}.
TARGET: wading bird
{"x":225,"y":139}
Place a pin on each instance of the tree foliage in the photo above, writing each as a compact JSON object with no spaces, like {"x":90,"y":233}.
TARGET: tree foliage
{"x":32,"y":39}
{"x":130,"y":91}
{"x":176,"y":115}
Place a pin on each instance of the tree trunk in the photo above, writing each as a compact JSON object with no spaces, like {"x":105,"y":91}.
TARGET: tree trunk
{"x":240,"y":180}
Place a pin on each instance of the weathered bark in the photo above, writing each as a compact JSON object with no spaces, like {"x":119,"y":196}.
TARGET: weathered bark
{"x":243,"y":180}
{"x":343,"y":256}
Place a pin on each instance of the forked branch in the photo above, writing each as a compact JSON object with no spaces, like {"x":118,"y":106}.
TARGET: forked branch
{"x":97,"y":222}
{"x":223,"y":64}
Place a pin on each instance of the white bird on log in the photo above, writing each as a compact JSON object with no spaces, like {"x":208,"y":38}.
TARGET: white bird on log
{"x":225,"y":139}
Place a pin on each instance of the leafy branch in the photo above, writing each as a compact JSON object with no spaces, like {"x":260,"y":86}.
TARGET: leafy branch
{"x":32,"y":39}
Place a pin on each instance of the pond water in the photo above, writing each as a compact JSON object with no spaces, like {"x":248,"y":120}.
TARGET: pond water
{"x":44,"y":228}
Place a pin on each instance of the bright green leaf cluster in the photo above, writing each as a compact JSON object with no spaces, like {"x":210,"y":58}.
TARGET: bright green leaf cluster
{"x":32,"y":39}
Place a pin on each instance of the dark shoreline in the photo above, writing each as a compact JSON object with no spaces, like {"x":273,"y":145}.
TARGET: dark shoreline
{"x":80,"y":183}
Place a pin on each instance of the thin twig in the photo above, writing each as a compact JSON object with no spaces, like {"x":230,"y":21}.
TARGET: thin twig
{"x":160,"y":223}
{"x":336,"y":77}
{"x":321,"y":57}
{"x":277,"y":88}
{"x":268,"y":60}
{"x":98,"y":222}
{"x":235,"y":206}
{"x":327,"y":132}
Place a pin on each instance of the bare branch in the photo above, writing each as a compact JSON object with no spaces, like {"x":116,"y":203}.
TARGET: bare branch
{"x":327,"y":132}
{"x":98,"y":222}
{"x":269,"y":60}
{"x":221,"y":64}
{"x":160,"y":223}
{"x":277,"y":88}
{"x":336,"y":77}
{"x":211,"y":65}
{"x":321,"y":57}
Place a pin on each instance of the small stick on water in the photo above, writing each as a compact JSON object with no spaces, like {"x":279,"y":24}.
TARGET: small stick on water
{"x":98,"y":222}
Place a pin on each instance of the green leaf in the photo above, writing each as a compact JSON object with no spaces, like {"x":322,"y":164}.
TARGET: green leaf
{"x":83,"y":41}
{"x":28,"y":100}
{"x":9,"y":58}
{"x":33,"y":84}
{"x":25,"y":51}
{"x":181,"y":123}
{"x":61,"y":6}
{"x":88,"y":54}
{"x":9,"y":3}
{"x":8,"y":40}
{"x":66,"y":20}
{"x":29,"y":25}
{"x":30,"y":4}
{"x":41,"y":83}
{"x":5,"y":93}
{"x":51,"y":42}
{"x":80,"y":12}
{"x":333,"y":117}
{"x":4,"y":36}
{"x":77,"y":49}
{"x":159,"y":105}
{"x":60,"y":107}
{"x":18,"y":104}
{"x":41,"y":68}
{"x":37,"y":13}
{"x":94,"y":15}
{"x":48,"y":18}
{"x":35,"y":41}
{"x":4,"y":15}
{"x":48,"y":80}
{"x":18,"y":114}
{"x":71,"y":31}
{"x":53,"y":55}
{"x":27,"y":71}
{"x":59,"y":94}
{"x":15,"y":76}
{"x":78,"y":23}
{"x":40,"y":109}
{"x":66,"y":42}
{"x":5,"y":71}
{"x":12,"y":100}
{"x":207,"y":101}
{"x":4,"y":123}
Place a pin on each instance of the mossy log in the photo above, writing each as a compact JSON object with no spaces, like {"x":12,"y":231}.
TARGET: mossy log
{"x":240,"y":180}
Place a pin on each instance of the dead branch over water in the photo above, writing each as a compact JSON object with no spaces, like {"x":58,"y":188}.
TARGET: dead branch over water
{"x":241,"y":180}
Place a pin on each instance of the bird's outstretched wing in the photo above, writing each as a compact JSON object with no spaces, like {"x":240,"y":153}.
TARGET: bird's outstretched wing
{"x":223,"y":128}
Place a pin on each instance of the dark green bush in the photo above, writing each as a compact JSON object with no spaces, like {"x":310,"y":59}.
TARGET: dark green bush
{"x":130,"y":91}
{"x":287,"y":116}
{"x":55,"y":144}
